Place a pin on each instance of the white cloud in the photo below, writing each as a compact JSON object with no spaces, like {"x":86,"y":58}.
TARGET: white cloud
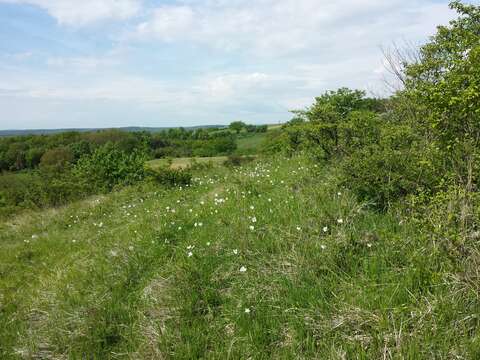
{"x":282,"y":27}
{"x":81,"y":64}
{"x":168,"y":22}
{"x":84,"y":12}
{"x":211,"y":61}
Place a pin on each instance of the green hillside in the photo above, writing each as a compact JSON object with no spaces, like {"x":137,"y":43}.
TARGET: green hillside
{"x":273,"y":260}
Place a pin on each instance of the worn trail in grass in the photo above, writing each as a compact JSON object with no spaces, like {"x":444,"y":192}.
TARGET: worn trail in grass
{"x":272,"y":260}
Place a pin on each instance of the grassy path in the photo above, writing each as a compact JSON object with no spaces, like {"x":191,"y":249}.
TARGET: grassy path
{"x":268,"y":261}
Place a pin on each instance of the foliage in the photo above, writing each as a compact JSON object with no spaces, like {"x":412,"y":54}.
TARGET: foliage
{"x":237,"y":126}
{"x":235,"y":160}
{"x":57,"y":158}
{"x":109,"y":167}
{"x":170,"y":177}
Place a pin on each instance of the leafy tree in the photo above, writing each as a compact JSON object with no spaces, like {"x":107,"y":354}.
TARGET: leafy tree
{"x":237,"y":126}
{"x":446,"y":86}
{"x":324,"y":119}
{"x":56,"y":158}
{"x":33,"y":157}
{"x":109,"y":166}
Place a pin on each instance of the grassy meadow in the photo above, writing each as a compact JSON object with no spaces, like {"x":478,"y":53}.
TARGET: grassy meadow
{"x":183,"y":163}
{"x":273,"y":260}
{"x":250,"y":144}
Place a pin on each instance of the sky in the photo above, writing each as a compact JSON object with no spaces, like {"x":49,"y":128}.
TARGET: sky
{"x":113,"y":63}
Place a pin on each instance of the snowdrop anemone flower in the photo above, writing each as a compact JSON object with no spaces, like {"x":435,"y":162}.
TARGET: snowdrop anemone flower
{"x":130,"y":248}
{"x":299,"y":228}
{"x":247,"y":311}
{"x":235,"y":251}
{"x":243,"y":269}
{"x":325,"y":229}
{"x":340,"y":221}
{"x":323,"y":247}
{"x":254,"y":219}
{"x":190,"y":254}
{"x":252,"y":207}
{"x":251,"y":227}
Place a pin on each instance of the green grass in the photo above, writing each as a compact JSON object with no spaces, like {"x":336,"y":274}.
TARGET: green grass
{"x":178,"y":163}
{"x":326,"y":278}
{"x":249,"y":144}
{"x":274,"y":126}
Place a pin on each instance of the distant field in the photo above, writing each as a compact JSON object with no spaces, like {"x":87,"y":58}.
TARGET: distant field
{"x":274,"y":126}
{"x":250,"y":145}
{"x":179,"y":163}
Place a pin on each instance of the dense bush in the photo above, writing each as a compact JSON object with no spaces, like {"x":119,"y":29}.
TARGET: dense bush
{"x":109,"y":167}
{"x":37,"y":189}
{"x":170,"y":177}
{"x":235,"y":160}
{"x":394,"y":166}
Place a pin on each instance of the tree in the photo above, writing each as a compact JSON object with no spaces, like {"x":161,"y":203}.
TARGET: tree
{"x":324,"y":119}
{"x":446,"y":86}
{"x":237,"y":126}
{"x":56,"y":158}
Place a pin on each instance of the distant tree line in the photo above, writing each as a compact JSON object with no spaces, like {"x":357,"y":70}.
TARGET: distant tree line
{"x":33,"y":151}
{"x":49,"y":170}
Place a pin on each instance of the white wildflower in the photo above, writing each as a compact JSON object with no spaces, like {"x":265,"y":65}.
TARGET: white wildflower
{"x":243,"y":269}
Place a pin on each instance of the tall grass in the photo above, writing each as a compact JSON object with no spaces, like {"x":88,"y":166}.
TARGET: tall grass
{"x":271,"y":260}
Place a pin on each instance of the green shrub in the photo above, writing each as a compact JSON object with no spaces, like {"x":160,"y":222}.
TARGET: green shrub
{"x":170,"y":177}
{"x":57,"y":158}
{"x":397,"y":165}
{"x":109,"y":167}
{"x":235,"y":160}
